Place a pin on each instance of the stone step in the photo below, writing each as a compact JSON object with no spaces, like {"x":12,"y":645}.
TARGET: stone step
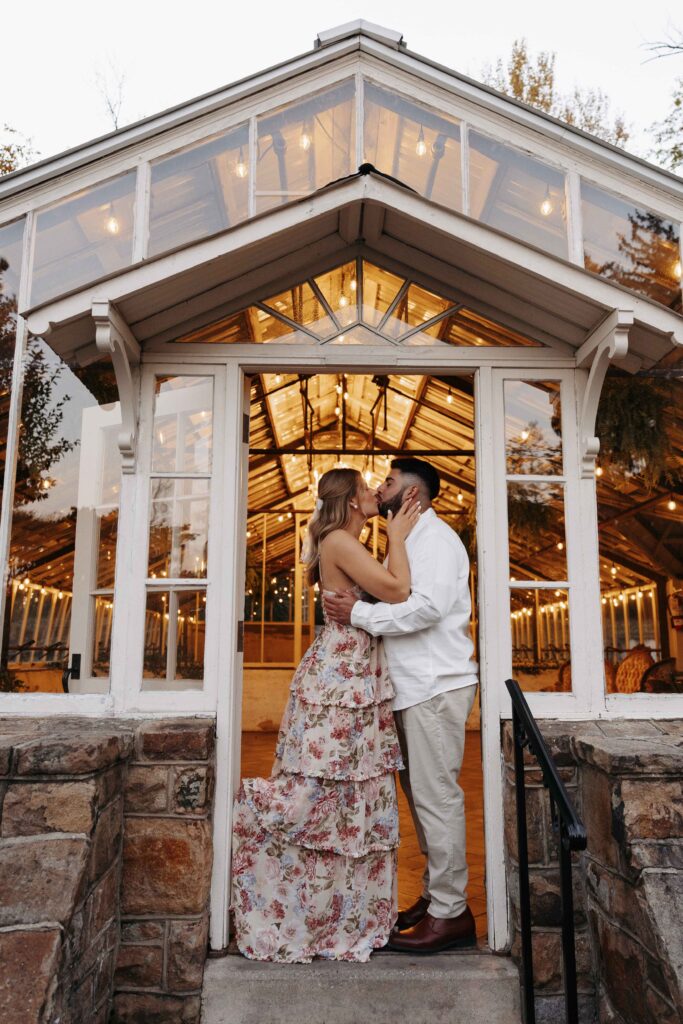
{"x":451,"y":988}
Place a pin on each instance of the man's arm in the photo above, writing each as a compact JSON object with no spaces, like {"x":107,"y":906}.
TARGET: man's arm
{"x":437,"y":571}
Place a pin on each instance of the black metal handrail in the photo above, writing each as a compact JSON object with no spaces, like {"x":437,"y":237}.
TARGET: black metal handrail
{"x":572,"y":834}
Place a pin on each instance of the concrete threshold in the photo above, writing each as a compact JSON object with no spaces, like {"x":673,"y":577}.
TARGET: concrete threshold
{"x":451,"y":988}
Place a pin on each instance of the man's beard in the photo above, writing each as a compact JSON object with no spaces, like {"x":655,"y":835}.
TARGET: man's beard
{"x":385,"y":507}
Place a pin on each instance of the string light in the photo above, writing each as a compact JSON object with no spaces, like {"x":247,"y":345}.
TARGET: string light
{"x":671,"y":504}
{"x":421,"y":147}
{"x":305,"y":139}
{"x":111,"y":223}
{"x":278,"y":378}
{"x":461,"y":497}
{"x":547,"y":204}
{"x":677,"y":269}
{"x":449,"y":397}
{"x":241,"y":169}
{"x":525,"y":435}
{"x":343,"y":301}
{"x":353,"y":285}
{"x":560,"y":546}
{"x":613,"y":569}
{"x":599,"y":470}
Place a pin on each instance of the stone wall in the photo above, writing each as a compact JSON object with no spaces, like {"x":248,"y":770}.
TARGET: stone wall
{"x":625,"y":778}
{"x":105,"y":867}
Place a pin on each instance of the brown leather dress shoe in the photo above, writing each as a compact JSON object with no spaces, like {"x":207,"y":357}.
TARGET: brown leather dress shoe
{"x":413,"y":915}
{"x":436,"y":934}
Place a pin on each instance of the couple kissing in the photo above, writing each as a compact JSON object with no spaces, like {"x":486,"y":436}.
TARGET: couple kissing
{"x":386,"y":687}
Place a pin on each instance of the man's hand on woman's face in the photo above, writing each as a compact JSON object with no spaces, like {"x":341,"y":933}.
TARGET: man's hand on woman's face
{"x":338,"y":606}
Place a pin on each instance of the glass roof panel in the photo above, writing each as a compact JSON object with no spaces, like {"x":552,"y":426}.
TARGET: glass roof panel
{"x":415,"y":306}
{"x":199,"y":191}
{"x":305,"y":145}
{"x":359,"y":335}
{"x":339,"y":288}
{"x":414,"y":144}
{"x":302,"y":305}
{"x":380,"y":288}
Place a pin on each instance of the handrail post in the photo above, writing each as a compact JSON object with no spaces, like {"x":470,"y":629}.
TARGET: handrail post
{"x":528,"y":1008}
{"x":568,"y":951}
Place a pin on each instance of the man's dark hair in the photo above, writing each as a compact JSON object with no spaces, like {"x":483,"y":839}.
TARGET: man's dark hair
{"x":427,"y":474}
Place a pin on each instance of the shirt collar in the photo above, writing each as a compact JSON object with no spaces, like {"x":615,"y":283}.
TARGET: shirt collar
{"x":425,"y":518}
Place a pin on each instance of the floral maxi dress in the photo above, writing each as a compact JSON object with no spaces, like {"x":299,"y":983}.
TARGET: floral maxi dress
{"x":314,"y":846}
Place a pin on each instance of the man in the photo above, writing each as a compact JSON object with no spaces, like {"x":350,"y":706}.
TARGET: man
{"x":429,"y":652}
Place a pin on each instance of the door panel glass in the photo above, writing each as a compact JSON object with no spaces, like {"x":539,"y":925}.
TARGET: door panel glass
{"x":539,"y":621}
{"x":533,"y":427}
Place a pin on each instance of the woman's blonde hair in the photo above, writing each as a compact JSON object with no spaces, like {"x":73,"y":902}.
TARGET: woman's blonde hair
{"x":336,"y":488}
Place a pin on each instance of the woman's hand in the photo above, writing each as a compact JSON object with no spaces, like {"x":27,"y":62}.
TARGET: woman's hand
{"x":400,"y":525}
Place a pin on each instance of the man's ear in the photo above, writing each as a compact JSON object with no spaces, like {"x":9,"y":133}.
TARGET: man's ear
{"x":410,"y":494}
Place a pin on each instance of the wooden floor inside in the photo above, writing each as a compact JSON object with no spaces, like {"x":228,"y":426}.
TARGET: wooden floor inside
{"x":257,"y":760}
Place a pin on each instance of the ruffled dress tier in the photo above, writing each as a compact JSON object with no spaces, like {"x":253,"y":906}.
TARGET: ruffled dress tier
{"x":315,"y":845}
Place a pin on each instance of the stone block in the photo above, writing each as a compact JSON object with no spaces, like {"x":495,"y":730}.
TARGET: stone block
{"x":192,"y":789}
{"x":6,"y":746}
{"x":545,"y":897}
{"x":187,"y":949}
{"x":659,"y":1009}
{"x":621,"y":962}
{"x":106,"y":838}
{"x":535,"y":816}
{"x":177,"y":740}
{"x":142,"y":931}
{"x":625,"y":756}
{"x":78,"y":753}
{"x":29,"y":975}
{"x":166,"y":866}
{"x":599,"y":798}
{"x":621,"y":900}
{"x":546,"y":949}
{"x":42,"y":878}
{"x":109,"y":784}
{"x":139,"y":965}
{"x":652,"y":809}
{"x":31,"y":808}
{"x":146,"y":789}
{"x":149,"y":1008}
{"x":102,"y":903}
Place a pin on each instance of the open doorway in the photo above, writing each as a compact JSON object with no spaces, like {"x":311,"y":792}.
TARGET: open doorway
{"x":300,"y":426}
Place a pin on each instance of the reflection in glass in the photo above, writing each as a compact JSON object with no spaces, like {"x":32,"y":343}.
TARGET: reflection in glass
{"x":380,"y":288}
{"x":84,"y":237}
{"x":469,"y":328}
{"x":200,"y":191}
{"x":63,"y":536}
{"x":416,"y":145}
{"x":517,"y":194}
{"x":305,"y":145}
{"x":11,"y":239}
{"x":178,"y":528}
{"x":533,"y":427}
{"x":302,"y":305}
{"x":631,"y":245}
{"x":538,"y":548}
{"x":101,"y":650}
{"x":339,"y":288}
{"x":539,"y":623}
{"x":182,"y":432}
{"x":174,"y":639}
{"x":416,"y":306}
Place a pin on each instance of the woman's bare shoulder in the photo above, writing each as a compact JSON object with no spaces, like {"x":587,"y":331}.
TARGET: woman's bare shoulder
{"x":338,"y":539}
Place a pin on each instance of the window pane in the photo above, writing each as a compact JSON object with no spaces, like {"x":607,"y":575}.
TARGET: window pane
{"x":305,"y":145}
{"x":302,"y":305}
{"x":533,"y":441}
{"x":538,"y":547}
{"x":11,"y":239}
{"x":199,"y":192}
{"x":178,"y":531}
{"x":469,"y":328}
{"x":102,"y":619}
{"x":517,"y":194}
{"x":414,"y":144}
{"x":416,"y":306}
{"x":539,"y":621}
{"x":380,"y":288}
{"x":631,"y":245}
{"x":63,"y":536}
{"x":83,"y":238}
{"x":182,"y":425}
{"x":174,"y":640}
{"x":339,"y":288}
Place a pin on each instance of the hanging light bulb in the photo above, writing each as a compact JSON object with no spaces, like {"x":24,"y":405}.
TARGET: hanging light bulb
{"x":278,"y":378}
{"x":599,"y":470}
{"x":343,"y":301}
{"x":671,"y":504}
{"x":306,"y":138}
{"x":241,"y":169}
{"x":421,"y":147}
{"x":353,"y":285}
{"x":525,"y":435}
{"x":449,"y":397}
{"x":111,"y":223}
{"x":337,"y":410}
{"x":613,"y":569}
{"x":461,"y":497}
{"x":560,"y":546}
{"x":339,"y":389}
{"x":547,"y":204}
{"x":677,"y":270}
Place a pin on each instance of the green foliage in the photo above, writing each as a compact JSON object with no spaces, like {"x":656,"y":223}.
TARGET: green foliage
{"x":15,"y":150}
{"x":529,"y":513}
{"x":532,"y":80}
{"x":633,"y":427}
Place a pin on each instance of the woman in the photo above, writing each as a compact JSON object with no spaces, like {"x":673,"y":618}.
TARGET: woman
{"x":314,"y":846}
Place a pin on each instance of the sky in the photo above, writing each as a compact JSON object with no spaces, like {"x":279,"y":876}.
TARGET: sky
{"x":171,"y":52}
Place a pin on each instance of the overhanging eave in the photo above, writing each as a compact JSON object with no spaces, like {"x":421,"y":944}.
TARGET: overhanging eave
{"x":514,"y":282}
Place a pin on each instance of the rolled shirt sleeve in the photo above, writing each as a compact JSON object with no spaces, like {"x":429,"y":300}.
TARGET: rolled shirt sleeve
{"x":436,"y":574}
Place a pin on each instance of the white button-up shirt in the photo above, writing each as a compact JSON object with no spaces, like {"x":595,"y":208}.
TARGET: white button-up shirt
{"x":427,"y":638}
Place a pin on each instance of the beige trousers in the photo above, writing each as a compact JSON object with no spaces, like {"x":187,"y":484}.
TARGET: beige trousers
{"x":432,"y":738}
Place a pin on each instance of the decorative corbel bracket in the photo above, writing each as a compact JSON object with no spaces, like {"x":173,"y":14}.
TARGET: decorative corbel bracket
{"x":609,"y":341}
{"x":114,"y":338}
